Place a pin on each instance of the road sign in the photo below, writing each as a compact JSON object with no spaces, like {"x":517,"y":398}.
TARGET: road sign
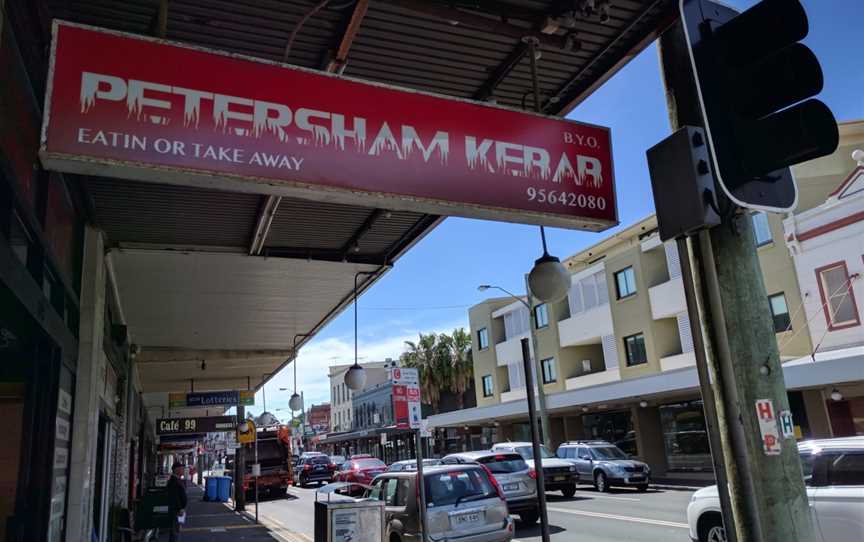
{"x":159,"y":111}
{"x":787,"y":425}
{"x":213,"y":398}
{"x":751,"y":74}
{"x":246,"y":432}
{"x":405,"y":376}
{"x":181,"y":426}
{"x":768,"y":426}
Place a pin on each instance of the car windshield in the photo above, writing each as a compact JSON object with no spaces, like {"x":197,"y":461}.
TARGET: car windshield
{"x":527,"y":452}
{"x":319,"y":460}
{"x":503,"y":463}
{"x":369,"y":464}
{"x":607,"y":452}
{"x":446,"y":488}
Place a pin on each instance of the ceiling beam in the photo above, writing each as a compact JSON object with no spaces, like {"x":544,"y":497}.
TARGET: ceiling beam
{"x":353,"y":244}
{"x":487,"y":89}
{"x":167,"y":355}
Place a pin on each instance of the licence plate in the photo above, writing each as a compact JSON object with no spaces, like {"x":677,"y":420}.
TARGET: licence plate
{"x":465,"y":519}
{"x":559,"y":478}
{"x":319,"y":467}
{"x":510,"y":487}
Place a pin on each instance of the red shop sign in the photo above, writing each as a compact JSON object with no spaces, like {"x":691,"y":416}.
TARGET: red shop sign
{"x":153,"y":110}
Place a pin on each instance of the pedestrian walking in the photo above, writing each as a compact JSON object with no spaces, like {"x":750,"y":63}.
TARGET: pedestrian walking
{"x":176,"y":490}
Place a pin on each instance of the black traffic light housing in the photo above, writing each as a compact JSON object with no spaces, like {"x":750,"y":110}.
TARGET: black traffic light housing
{"x":751,"y":75}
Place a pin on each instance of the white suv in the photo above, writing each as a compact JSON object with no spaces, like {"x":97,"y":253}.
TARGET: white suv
{"x":834,"y":475}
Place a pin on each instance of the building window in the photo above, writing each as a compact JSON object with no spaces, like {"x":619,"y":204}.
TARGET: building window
{"x":488,"y":386}
{"x":634,"y":345}
{"x":685,"y":437}
{"x":838,"y":299}
{"x":625,"y":282}
{"x":780,"y":312}
{"x":541,"y":316}
{"x":483,"y":338}
{"x":550,"y":373}
{"x":761,"y":229}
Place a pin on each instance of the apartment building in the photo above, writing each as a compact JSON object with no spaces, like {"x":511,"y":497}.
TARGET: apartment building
{"x":341,"y":397}
{"x":616,"y":356}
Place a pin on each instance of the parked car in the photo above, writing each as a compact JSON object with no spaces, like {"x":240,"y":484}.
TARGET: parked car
{"x":518,"y":481}
{"x":337,"y":459}
{"x":605,"y":465}
{"x":359,"y":471}
{"x":559,"y":475}
{"x":411,"y":465}
{"x":314,"y":468}
{"x":463,"y":502}
{"x":834,"y":476}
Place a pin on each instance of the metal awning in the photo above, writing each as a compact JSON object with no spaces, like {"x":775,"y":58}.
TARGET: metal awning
{"x":224,"y":278}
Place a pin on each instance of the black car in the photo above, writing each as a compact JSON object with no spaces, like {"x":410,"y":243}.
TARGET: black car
{"x":314,"y":468}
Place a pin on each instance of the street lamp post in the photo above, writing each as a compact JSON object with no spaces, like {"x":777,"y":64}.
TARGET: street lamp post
{"x":532,"y":410}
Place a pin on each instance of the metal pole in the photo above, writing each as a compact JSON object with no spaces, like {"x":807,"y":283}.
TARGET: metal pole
{"x":258,"y":468}
{"x":770,"y":502}
{"x":535,"y":441}
{"x":546,"y":432}
{"x":239,"y":467}
{"x":421,"y":484}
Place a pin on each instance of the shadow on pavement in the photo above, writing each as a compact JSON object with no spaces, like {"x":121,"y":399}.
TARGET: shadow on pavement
{"x":534,"y":530}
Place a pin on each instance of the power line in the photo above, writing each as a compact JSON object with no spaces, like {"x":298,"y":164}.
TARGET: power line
{"x":440,"y":307}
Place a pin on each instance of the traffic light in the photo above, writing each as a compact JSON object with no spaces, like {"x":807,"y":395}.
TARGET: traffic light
{"x":752,"y":73}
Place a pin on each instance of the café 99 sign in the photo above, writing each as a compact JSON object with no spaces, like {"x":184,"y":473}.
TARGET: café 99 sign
{"x":153,"y":110}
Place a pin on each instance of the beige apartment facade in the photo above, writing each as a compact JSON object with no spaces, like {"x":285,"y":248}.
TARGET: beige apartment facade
{"x":617,"y":354}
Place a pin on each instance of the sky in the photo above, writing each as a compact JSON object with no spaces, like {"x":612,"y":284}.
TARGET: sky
{"x":432,"y":286}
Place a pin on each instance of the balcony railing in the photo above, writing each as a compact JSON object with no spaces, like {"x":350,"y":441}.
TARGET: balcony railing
{"x":513,"y":395}
{"x":586,"y":327}
{"x":677,"y":361}
{"x":510,"y":350}
{"x":593,"y":379}
{"x":667,"y":299}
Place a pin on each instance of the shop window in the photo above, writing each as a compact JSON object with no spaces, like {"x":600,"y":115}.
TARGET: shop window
{"x":488,"y":386}
{"x":634,"y":346}
{"x":780,"y":313}
{"x":838,"y":300}
{"x":550,"y":373}
{"x":685,"y":437}
{"x":614,"y":427}
{"x":761,"y":229}
{"x":625,"y":283}
{"x":483,"y":338}
{"x":541,"y":316}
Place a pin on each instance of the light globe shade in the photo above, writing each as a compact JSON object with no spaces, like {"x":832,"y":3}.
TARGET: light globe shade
{"x":296,"y":402}
{"x":548,"y":280}
{"x":355,"y":378}
{"x":836,"y":395}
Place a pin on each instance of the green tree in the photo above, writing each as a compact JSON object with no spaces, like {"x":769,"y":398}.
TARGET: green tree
{"x":444,"y":363}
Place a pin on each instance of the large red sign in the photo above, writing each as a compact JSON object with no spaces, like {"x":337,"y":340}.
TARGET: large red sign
{"x":133,"y":107}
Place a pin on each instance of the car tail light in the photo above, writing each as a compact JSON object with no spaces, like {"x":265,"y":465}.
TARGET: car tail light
{"x":532,"y":473}
{"x":494,"y":482}
{"x":307,"y":467}
{"x":331,"y":466}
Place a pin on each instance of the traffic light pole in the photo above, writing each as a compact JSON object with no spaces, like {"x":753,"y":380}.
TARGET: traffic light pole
{"x":768,"y":499}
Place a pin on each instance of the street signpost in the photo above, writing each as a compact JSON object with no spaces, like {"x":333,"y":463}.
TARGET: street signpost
{"x":407,"y":407}
{"x":181,"y":426}
{"x":160,"y":111}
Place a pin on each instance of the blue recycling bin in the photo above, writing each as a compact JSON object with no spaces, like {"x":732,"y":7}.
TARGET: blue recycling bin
{"x":211,"y":488}
{"x":223,"y":488}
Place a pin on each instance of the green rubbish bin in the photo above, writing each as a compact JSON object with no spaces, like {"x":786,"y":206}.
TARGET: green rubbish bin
{"x":153,"y":510}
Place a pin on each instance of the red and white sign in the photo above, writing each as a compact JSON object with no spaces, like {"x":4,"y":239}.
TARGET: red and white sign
{"x":400,"y":406}
{"x":768,"y":426}
{"x":153,"y":110}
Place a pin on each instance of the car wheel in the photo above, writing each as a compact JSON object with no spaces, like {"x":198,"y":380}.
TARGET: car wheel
{"x":569,"y":491}
{"x":530,"y":518}
{"x":642,"y":489}
{"x":711,"y":528}
{"x":601,"y":483}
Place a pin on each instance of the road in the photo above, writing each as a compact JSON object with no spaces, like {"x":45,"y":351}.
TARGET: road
{"x":621,"y":515}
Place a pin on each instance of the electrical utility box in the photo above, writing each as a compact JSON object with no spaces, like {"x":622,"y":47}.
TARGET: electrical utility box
{"x":683,"y":183}
{"x":349,"y":521}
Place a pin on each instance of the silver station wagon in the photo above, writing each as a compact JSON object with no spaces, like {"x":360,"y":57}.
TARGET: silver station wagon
{"x":463,"y":503}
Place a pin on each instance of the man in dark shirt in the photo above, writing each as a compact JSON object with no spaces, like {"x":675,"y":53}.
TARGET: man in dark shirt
{"x":176,"y":490}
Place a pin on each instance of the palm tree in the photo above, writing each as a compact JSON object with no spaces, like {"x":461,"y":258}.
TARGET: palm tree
{"x":461,"y":364}
{"x":425,"y":356}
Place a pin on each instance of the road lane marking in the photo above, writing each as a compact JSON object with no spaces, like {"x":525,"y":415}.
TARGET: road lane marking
{"x":595,"y":496}
{"x":658,"y":522}
{"x":294,"y":534}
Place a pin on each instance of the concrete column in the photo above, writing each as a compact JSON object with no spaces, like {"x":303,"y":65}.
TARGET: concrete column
{"x":817,"y":413}
{"x":85,"y":422}
{"x":573,"y":428}
{"x":649,"y":438}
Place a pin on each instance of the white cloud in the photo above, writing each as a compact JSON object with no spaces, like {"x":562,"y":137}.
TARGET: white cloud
{"x":318,"y":356}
